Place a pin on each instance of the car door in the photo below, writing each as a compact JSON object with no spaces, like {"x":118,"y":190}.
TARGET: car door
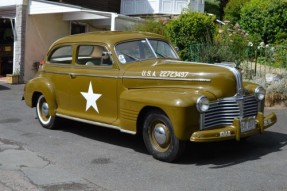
{"x":94,"y":85}
{"x":57,"y":69}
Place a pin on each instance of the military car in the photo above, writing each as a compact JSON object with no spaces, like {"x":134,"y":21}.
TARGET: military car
{"x":135,"y":82}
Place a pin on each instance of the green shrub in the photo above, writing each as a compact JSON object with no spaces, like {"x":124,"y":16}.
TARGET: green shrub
{"x":267,"y":18}
{"x":152,"y":25}
{"x":230,"y":45}
{"x":281,"y":38}
{"x":232,"y":10}
{"x":190,"y":28}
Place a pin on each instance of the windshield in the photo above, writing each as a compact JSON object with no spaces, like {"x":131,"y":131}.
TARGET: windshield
{"x":144,"y":49}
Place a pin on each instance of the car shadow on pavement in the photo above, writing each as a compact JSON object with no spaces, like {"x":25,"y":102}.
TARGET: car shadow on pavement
{"x":106,"y":135}
{"x":229,"y":153}
{"x":218,"y":154}
{"x":4,"y":87}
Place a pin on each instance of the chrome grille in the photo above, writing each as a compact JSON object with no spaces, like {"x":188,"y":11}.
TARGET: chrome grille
{"x":224,"y":111}
{"x":250,"y":106}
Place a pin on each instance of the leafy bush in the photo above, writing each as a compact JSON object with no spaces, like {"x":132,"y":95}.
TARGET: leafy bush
{"x":232,"y":10}
{"x":267,"y":18}
{"x":281,"y":38}
{"x":152,"y":25}
{"x":190,"y":28}
{"x":230,"y":45}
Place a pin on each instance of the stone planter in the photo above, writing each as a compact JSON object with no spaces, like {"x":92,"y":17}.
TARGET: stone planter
{"x":12,"y":79}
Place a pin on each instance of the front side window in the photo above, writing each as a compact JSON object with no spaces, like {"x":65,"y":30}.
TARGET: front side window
{"x":61,"y":55}
{"x":93,"y":55}
{"x":162,"y":49}
{"x":131,"y":51}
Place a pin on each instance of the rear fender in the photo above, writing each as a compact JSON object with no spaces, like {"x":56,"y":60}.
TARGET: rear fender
{"x":42,"y":86}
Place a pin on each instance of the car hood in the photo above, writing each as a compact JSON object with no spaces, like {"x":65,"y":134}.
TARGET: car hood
{"x":172,"y":74}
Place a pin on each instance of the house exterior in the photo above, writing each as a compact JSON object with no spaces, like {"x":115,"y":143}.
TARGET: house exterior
{"x":101,"y":5}
{"x":29,"y":27}
{"x":140,"y":7}
{"x":160,"y":7}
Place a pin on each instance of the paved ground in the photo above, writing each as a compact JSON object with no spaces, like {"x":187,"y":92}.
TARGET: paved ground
{"x":83,"y":157}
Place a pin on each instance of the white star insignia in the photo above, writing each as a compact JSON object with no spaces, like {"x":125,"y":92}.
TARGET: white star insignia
{"x":91,"y":98}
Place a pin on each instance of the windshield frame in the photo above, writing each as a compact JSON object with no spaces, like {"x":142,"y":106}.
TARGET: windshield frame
{"x":147,"y":40}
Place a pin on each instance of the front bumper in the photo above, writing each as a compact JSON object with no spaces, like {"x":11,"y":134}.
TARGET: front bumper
{"x":233,"y":131}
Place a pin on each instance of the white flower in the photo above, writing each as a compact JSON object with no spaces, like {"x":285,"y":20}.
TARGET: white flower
{"x":250,"y":44}
{"x":261,"y":44}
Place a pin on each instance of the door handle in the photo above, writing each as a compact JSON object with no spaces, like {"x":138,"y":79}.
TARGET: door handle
{"x":72,"y":75}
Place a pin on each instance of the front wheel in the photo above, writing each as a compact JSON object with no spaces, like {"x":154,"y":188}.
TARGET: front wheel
{"x":42,"y":109}
{"x":159,"y":138}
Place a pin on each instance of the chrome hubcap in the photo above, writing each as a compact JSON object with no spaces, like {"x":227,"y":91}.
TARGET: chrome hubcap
{"x":45,"y":109}
{"x":160,"y":134}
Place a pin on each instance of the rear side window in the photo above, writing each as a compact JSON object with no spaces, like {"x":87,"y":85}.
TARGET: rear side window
{"x":93,"y":55}
{"x":61,"y":55}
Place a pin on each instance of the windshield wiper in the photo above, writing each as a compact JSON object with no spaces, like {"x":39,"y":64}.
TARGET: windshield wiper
{"x":159,"y":54}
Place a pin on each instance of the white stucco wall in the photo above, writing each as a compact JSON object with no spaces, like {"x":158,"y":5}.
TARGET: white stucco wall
{"x":173,"y":7}
{"x":41,"y":32}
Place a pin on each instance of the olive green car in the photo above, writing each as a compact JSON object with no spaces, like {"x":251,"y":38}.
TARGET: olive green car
{"x":136,"y":83}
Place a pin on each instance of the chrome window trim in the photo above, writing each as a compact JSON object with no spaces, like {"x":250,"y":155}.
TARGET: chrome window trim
{"x":151,"y":48}
{"x":130,"y":77}
{"x":171,"y":79}
{"x":94,"y":44}
{"x":76,"y":74}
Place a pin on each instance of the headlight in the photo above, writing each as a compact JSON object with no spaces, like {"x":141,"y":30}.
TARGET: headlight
{"x":202,"y":104}
{"x":259,"y":93}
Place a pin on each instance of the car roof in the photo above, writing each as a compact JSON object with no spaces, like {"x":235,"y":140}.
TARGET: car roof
{"x":108,"y":37}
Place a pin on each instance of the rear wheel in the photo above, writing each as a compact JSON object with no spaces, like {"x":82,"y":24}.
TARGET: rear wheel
{"x":159,"y":138}
{"x":42,"y":109}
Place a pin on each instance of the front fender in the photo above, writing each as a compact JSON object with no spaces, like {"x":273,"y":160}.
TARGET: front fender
{"x":43,"y":86}
{"x":177,"y":104}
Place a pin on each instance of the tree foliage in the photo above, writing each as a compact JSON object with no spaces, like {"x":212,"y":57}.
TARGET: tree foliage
{"x":152,"y":25}
{"x":236,"y":39}
{"x":222,"y":5}
{"x":265,"y":18}
{"x":212,"y":7}
{"x":191,"y":28}
{"x":232,"y":10}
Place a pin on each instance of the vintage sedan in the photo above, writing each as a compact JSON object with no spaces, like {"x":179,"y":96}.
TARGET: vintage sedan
{"x":136,"y":83}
